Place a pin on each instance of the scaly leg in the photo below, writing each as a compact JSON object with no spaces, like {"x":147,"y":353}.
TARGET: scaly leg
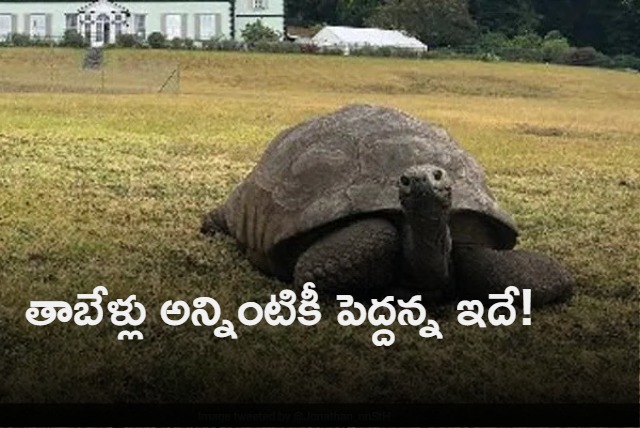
{"x":358,"y":259}
{"x":481,"y":271}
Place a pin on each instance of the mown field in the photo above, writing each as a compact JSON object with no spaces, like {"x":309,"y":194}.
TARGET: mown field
{"x":108,"y":189}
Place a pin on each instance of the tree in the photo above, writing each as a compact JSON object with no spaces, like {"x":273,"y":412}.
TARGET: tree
{"x":509,"y":17}
{"x":611,"y":26}
{"x":309,"y":12}
{"x":355,"y":12}
{"x":557,"y":15}
{"x":434,"y":22}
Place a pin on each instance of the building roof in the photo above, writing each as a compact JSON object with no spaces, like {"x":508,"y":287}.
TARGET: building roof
{"x":366,"y":36}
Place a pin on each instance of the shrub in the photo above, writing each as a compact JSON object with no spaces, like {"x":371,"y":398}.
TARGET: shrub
{"x":492,"y":42}
{"x":41,"y":42}
{"x":221,"y":44}
{"x":524,"y":47}
{"x":554,"y":49}
{"x":276,"y":47}
{"x":157,"y":40}
{"x":554,"y":35}
{"x":444,"y":53}
{"x":21,"y":40}
{"x":406,"y":53}
{"x":587,"y":56}
{"x":331,"y":50}
{"x":258,"y":32}
{"x":529,"y":41}
{"x":128,"y":41}
{"x":489,"y":57}
{"x":189,"y":44}
{"x":176,"y":43}
{"x":603,"y":60}
{"x":492,"y":46}
{"x":627,"y":62}
{"x":385,"y":51}
{"x":521,"y":54}
{"x":308,"y":48}
{"x":366,"y":50}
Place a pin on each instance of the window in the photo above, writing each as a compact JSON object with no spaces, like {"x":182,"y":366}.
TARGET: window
{"x":37,"y":25}
{"x":139,"y":25}
{"x":118,"y":25}
{"x":174,"y":26}
{"x":5,"y":25}
{"x":207,"y":27}
{"x":71,"y":21}
{"x":259,"y":4}
{"x":101,"y":22}
{"x":87,"y":31}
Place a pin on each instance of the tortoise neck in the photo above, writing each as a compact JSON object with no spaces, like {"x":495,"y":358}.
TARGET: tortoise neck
{"x":427,"y":249}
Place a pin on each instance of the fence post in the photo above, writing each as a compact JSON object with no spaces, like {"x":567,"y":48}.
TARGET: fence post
{"x":175,"y":75}
{"x":178,"y":77}
{"x":52,"y":65}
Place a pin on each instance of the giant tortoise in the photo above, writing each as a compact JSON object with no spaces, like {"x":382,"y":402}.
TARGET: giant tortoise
{"x":369,"y":200}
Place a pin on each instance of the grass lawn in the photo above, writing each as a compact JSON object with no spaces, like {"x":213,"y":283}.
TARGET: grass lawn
{"x":108,"y":189}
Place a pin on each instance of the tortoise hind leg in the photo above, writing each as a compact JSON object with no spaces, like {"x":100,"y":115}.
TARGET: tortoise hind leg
{"x":214,"y":222}
{"x":480,"y":271}
{"x":358,"y":259}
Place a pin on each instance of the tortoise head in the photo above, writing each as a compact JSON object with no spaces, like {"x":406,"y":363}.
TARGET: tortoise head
{"x":425,"y":189}
{"x":425,"y":196}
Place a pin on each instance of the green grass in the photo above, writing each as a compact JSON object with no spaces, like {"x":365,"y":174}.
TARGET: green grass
{"x":108,"y":189}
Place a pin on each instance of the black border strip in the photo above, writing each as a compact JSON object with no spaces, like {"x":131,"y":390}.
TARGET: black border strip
{"x":285,"y":415}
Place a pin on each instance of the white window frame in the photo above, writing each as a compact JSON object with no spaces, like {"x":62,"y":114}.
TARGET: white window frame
{"x":259,"y":4}
{"x":73,"y":18}
{"x":138,"y":29}
{"x":87,"y":31}
{"x":212,"y":31}
{"x":7,"y":32}
{"x":34,"y":30}
{"x":117,"y":23}
{"x":171,"y":31}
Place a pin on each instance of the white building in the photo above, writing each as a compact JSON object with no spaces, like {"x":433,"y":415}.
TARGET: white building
{"x":349,"y":38}
{"x":101,"y":21}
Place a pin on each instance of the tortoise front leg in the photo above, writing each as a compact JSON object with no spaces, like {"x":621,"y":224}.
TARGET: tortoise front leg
{"x":481,"y":271}
{"x":358,"y":259}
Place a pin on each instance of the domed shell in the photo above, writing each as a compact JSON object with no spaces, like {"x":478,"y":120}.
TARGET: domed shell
{"x":348,"y":163}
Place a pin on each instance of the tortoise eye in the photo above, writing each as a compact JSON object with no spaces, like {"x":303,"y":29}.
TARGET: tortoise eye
{"x":404,"y":180}
{"x":437,"y":175}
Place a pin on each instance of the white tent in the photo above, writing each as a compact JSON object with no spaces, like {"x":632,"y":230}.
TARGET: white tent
{"x":347,"y":38}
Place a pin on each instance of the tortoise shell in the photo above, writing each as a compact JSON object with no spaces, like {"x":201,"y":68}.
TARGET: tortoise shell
{"x":347,"y":164}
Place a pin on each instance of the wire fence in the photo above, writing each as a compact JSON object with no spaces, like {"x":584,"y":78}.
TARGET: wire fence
{"x":61,"y":70}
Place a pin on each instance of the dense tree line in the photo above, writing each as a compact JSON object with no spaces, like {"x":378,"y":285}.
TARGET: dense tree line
{"x":611,"y":26}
